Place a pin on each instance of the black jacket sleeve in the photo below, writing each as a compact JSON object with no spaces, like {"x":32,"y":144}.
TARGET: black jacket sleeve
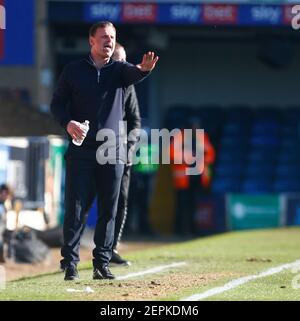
{"x":133,"y":118}
{"x":132,"y":74}
{"x":61,"y":98}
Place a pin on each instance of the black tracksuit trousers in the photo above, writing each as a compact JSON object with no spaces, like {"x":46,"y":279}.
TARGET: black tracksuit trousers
{"x":86,"y":179}
{"x":122,"y":206}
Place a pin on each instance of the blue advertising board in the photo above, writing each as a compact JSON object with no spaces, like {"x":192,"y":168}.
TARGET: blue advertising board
{"x":292,"y":209}
{"x":98,"y":11}
{"x":178,"y":13}
{"x":17,"y":39}
{"x":210,"y":215}
{"x":260,"y":15}
{"x":189,"y":13}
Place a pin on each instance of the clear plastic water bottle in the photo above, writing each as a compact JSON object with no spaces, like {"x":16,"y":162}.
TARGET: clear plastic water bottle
{"x":85,"y":126}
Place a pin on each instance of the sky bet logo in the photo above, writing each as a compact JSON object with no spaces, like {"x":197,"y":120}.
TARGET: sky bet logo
{"x":103,"y":11}
{"x":2,"y":18}
{"x":296,"y":17}
{"x":183,"y":12}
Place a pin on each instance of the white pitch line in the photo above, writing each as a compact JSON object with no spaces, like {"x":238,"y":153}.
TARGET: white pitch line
{"x":237,"y":282}
{"x":87,"y":290}
{"x":151,"y":271}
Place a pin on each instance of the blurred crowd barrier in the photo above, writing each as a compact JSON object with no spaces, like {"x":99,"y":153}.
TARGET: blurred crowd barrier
{"x":33,"y":167}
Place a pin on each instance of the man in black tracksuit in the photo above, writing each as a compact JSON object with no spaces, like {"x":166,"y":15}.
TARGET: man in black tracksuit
{"x":132,"y":117}
{"x":93,"y":89}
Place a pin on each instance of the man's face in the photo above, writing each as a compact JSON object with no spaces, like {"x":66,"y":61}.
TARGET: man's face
{"x":103,"y":43}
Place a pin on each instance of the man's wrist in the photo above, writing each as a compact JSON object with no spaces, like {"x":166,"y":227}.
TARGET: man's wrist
{"x":65,"y":122}
{"x":145,"y":71}
{"x":142,"y":69}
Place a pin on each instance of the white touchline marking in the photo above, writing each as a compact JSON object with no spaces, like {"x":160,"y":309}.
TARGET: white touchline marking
{"x":237,"y":282}
{"x":87,"y":290}
{"x":151,"y":271}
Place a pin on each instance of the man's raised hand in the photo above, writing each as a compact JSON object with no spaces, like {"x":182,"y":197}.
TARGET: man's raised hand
{"x":149,"y":61}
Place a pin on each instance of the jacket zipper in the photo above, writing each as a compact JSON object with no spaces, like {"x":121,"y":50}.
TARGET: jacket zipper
{"x":98,"y":73}
{"x":98,"y":70}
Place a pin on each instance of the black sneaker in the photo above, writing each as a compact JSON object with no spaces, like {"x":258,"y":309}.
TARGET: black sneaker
{"x":102,"y":272}
{"x":71,"y":273}
{"x":62,"y":267}
{"x":117,"y":259}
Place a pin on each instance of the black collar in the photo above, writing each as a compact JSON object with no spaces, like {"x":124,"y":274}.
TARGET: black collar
{"x":92,"y":62}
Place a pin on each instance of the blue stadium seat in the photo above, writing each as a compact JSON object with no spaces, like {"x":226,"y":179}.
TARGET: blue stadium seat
{"x":233,"y":149}
{"x":261,"y":156}
{"x":270,"y":128}
{"x":286,"y":185}
{"x":231,"y":156}
{"x":229,"y":169}
{"x":261,"y":170}
{"x":286,"y":153}
{"x":290,"y":131}
{"x":226,"y":185}
{"x":287,"y":157}
{"x":262,"y":140}
{"x":290,"y":144}
{"x":259,"y":185}
{"x":288,"y":170}
{"x":258,"y":150}
{"x":231,"y":141}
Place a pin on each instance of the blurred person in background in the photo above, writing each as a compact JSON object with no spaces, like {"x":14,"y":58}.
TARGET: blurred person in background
{"x":5,"y":205}
{"x":189,"y":187}
{"x":93,"y":89}
{"x":143,"y":181}
{"x":133,"y":119}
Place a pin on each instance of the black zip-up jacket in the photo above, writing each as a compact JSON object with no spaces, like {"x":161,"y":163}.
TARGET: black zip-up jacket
{"x":84,"y":93}
{"x":133,"y":118}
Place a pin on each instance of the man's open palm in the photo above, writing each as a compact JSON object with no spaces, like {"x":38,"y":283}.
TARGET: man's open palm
{"x":148,"y":62}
